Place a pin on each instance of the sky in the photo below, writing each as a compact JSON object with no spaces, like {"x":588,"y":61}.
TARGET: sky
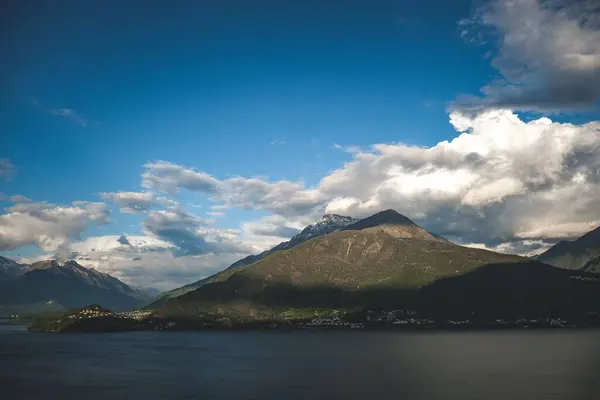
{"x":162,"y":141}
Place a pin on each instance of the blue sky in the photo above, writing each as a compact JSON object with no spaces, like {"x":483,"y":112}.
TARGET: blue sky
{"x":93,"y":91}
{"x":212,"y":84}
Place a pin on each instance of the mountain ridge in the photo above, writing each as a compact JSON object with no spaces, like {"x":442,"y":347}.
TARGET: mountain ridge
{"x":64,"y":284}
{"x":573,"y":254}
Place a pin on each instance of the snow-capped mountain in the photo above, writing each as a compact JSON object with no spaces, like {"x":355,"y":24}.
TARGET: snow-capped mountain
{"x":10,"y":269}
{"x":326,"y":224}
{"x":66,"y":284}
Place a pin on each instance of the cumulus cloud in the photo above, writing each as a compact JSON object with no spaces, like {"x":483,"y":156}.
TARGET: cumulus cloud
{"x":47,"y":225}
{"x":131,"y":202}
{"x":170,"y":178}
{"x":7,"y":169}
{"x":268,"y":232}
{"x":284,"y":198}
{"x":281,"y":197}
{"x":528,"y":248}
{"x":500,"y":180}
{"x":191,"y":235}
{"x":142,"y":260}
{"x":548,"y":54}
{"x":162,"y":270}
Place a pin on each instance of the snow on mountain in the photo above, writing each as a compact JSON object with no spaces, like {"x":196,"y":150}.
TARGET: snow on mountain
{"x":326,"y":224}
{"x":10,"y":269}
{"x":68,"y":283}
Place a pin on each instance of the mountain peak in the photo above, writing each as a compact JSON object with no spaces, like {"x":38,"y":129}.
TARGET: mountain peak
{"x":387,"y":217}
{"x":394,"y":224}
{"x":6,"y":261}
{"x":326,"y":224}
{"x":573,"y":254}
{"x":123,"y":240}
{"x":42,"y":265}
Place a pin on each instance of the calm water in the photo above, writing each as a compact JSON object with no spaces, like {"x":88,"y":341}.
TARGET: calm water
{"x":301,"y":365}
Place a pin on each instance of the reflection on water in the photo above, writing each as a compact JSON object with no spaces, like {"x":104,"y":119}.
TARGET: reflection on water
{"x":301,"y":365}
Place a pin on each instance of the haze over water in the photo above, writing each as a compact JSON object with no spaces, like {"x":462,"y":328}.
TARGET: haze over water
{"x":558,"y":364}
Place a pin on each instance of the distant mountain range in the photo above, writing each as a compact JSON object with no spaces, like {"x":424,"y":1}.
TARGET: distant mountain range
{"x":576,"y":254}
{"x":384,"y":262}
{"x":53,"y":285}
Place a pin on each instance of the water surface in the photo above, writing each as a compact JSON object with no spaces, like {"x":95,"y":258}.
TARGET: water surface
{"x":553,"y":364}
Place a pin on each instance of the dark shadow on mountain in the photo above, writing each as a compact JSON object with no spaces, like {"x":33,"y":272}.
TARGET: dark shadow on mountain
{"x":507,"y":290}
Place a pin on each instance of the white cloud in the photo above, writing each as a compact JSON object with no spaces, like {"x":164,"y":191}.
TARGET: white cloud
{"x":131,"y":202}
{"x":526,"y":248}
{"x":500,"y":179}
{"x":500,"y":176}
{"x":269,"y":231}
{"x":169,"y":178}
{"x":144,"y":260}
{"x":191,"y":235}
{"x":47,"y":225}
{"x":549,"y":54}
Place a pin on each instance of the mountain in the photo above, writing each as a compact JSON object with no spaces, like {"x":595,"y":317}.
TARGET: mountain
{"x":10,"y":269}
{"x":321,"y":227}
{"x":148,"y":292}
{"x":395,"y":225}
{"x":326,"y":224}
{"x":385,"y":262}
{"x":573,"y":254}
{"x":64,"y":285}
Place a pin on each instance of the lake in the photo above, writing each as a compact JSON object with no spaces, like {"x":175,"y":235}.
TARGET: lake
{"x":548,"y":364}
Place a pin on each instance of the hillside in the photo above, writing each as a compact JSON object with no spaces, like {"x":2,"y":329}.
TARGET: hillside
{"x":574,"y":254}
{"x":56,"y":286}
{"x":323,"y":226}
{"x":388,"y":263}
